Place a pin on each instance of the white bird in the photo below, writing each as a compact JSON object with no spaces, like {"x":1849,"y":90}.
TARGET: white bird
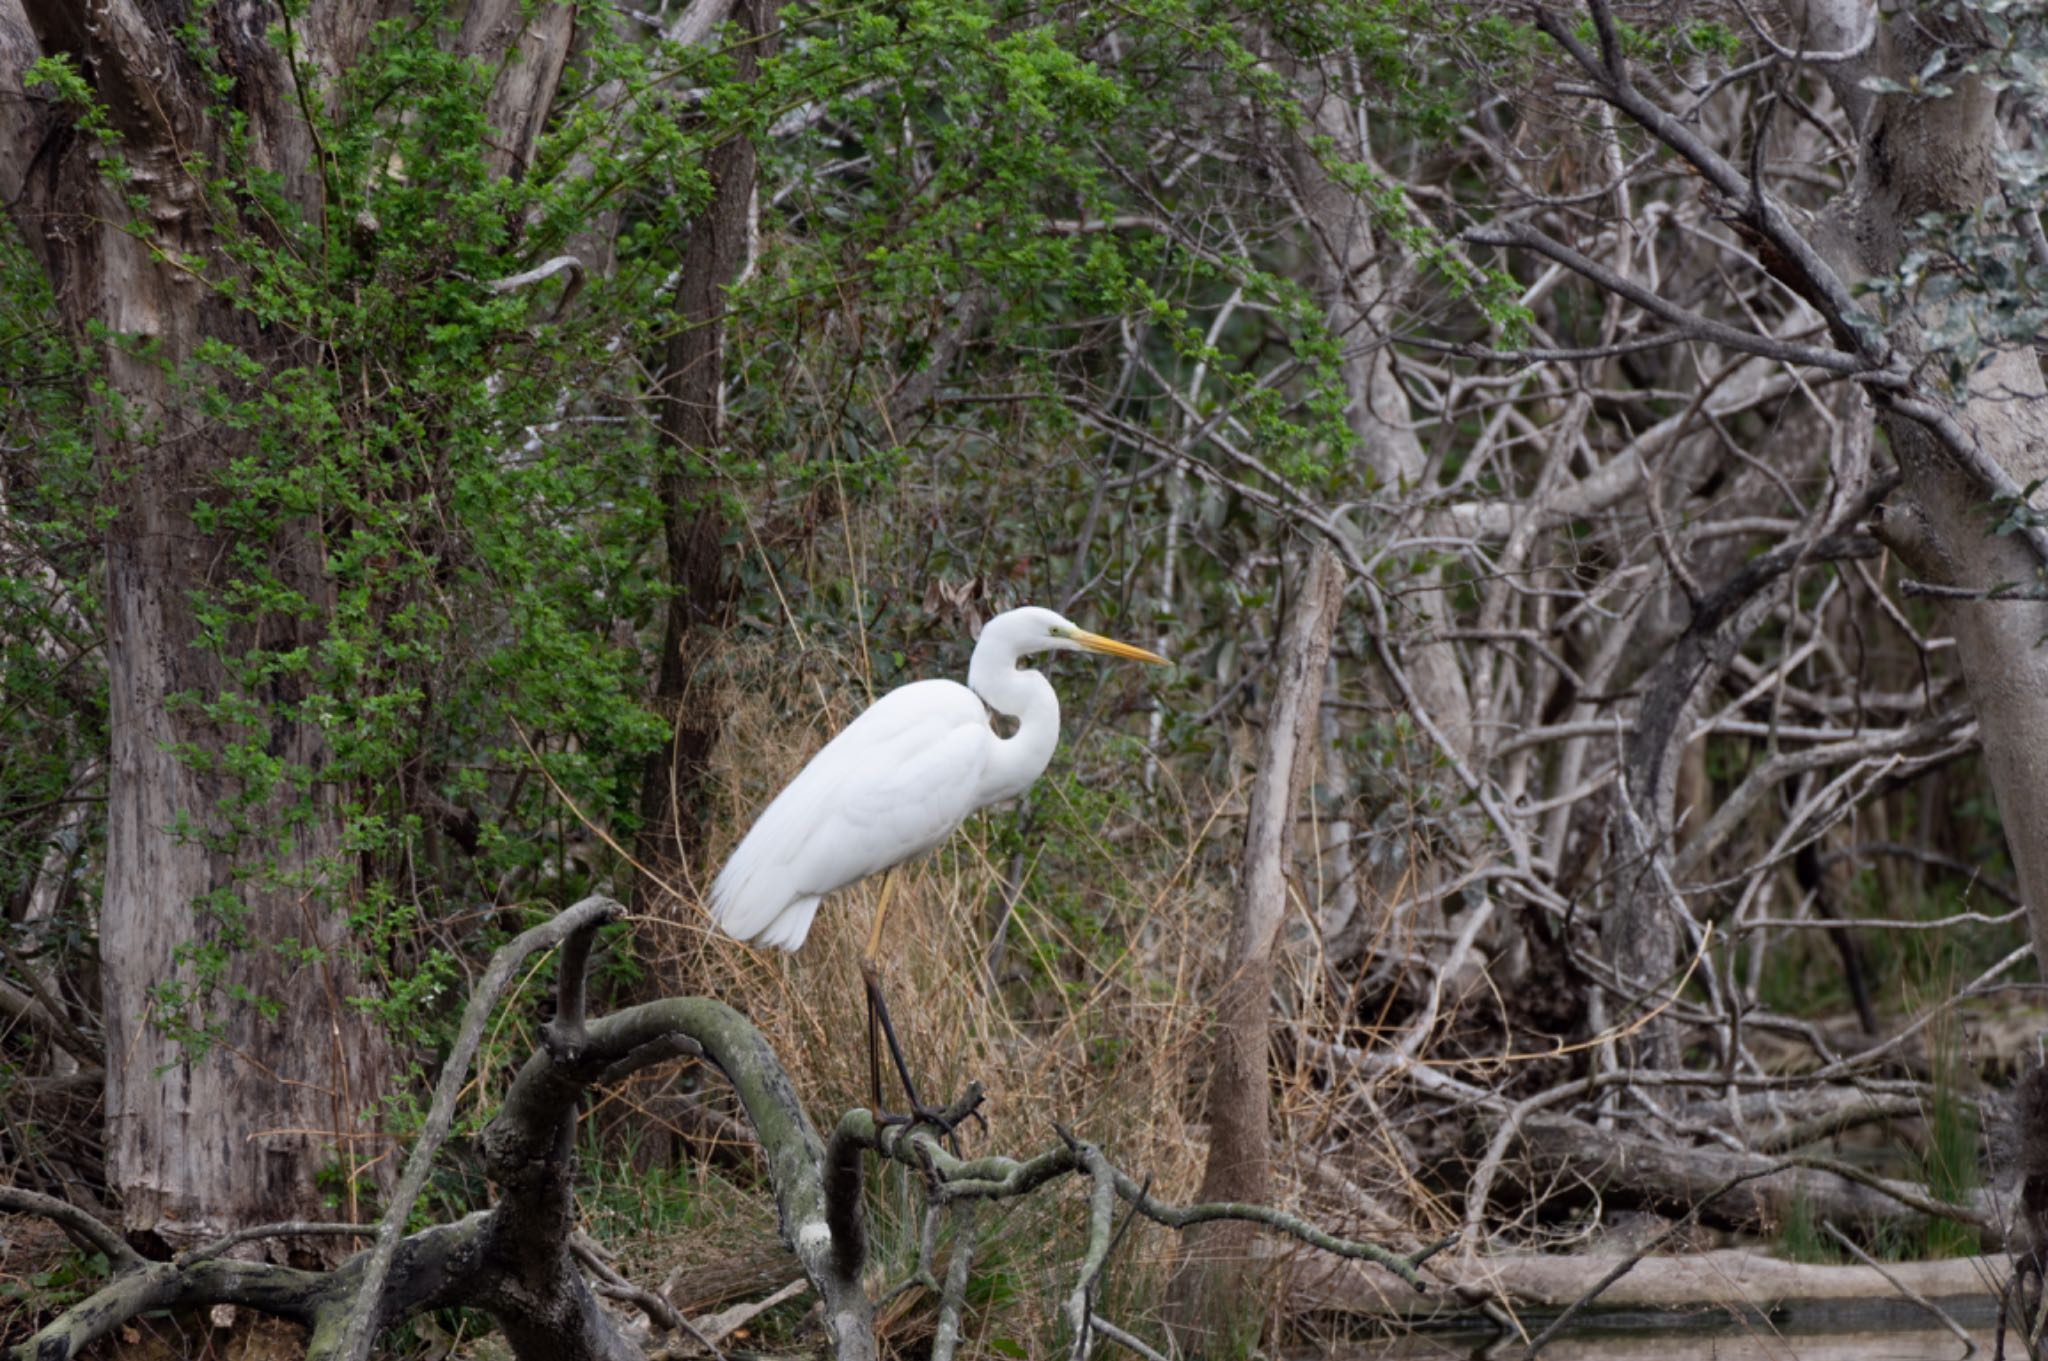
{"x":901,"y":777}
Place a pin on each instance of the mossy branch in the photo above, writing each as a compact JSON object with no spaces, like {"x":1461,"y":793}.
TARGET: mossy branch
{"x":995,"y":1177}
{"x":517,"y":1260}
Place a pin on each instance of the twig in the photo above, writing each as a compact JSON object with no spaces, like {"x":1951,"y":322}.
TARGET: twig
{"x":612,"y":1285}
{"x":1846,"y":54}
{"x":1122,"y":1338}
{"x":1689,"y":325}
{"x":1969,"y":1343}
{"x":725,"y":1321}
{"x":1912,"y":1200}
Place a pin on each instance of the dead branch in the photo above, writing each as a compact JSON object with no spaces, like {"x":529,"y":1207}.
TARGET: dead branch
{"x":998,"y":1177}
{"x":583,"y":918}
{"x":519,"y":1260}
{"x":1627,"y":1170}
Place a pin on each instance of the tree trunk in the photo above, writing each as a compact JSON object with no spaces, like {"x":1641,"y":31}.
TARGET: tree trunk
{"x":1918,"y":155}
{"x":691,"y":413}
{"x":220,"y":893}
{"x":232,"y":1130}
{"x":1214,"y":1302}
{"x":1352,"y":286}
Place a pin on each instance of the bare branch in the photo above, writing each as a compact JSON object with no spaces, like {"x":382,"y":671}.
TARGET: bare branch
{"x":1101,"y":1225}
{"x":1691,"y":325}
{"x":2010,"y":591}
{"x":546,"y":270}
{"x":996,"y":1177}
{"x":295,"y":1228}
{"x":1123,"y":1339}
{"x":1821,"y":284}
{"x":953,"y":1291}
{"x":81,"y":1228}
{"x":583,"y":918}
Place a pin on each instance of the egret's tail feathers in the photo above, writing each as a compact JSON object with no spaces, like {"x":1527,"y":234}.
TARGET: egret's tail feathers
{"x":748,"y":897}
{"x":787,"y":931}
{"x":764,"y":914}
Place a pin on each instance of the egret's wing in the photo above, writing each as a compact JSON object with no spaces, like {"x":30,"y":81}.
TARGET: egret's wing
{"x":898,"y":801}
{"x":887,"y":788}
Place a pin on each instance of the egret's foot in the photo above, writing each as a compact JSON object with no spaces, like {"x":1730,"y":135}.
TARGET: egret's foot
{"x":919,"y":1115}
{"x":881,"y":1029}
{"x":947,"y":1123}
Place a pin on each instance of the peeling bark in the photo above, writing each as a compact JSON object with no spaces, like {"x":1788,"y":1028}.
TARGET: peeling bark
{"x":202,"y":1140}
{"x":182,"y":1126}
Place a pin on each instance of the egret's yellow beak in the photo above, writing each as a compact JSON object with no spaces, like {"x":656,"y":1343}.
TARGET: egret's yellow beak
{"x":1095,"y":642}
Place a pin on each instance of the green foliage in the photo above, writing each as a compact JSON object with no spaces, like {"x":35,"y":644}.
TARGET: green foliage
{"x":430,"y":556}
{"x":1674,"y":43}
{"x":59,"y":74}
{"x":53,"y":699}
{"x":57,"y":1286}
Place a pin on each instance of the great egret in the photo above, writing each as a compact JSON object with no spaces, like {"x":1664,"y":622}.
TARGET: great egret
{"x":895,"y":783}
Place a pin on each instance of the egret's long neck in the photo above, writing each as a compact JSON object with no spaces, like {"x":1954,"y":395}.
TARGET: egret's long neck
{"x":1028,"y":697}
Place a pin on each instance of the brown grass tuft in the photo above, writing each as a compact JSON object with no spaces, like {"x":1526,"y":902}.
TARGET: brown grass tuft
{"x":1100,"y":1023}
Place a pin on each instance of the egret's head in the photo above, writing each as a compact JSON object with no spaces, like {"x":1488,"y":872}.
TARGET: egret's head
{"x":1033,"y":629}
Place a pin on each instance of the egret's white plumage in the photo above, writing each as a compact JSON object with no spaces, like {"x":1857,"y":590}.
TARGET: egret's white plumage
{"x":899,"y":778}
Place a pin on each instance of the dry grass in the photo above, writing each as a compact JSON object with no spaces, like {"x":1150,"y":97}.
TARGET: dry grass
{"x":1118,"y":941}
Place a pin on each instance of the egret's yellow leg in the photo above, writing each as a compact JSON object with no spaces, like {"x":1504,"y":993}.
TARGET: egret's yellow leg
{"x":873,"y":952}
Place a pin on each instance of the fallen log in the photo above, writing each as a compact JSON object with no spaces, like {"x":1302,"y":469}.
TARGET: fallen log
{"x":1738,"y":1278}
{"x":1561,"y":1160}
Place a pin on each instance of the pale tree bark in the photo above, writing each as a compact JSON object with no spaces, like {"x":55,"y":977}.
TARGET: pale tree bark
{"x":1918,"y":155}
{"x":203,"y":1139}
{"x":1352,"y":284}
{"x":1214,"y":1291}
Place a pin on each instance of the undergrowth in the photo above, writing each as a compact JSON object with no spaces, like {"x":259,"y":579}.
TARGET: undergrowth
{"x":1096,"y":1025}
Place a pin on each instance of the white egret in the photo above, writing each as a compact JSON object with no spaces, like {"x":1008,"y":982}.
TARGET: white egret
{"x":895,"y":783}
